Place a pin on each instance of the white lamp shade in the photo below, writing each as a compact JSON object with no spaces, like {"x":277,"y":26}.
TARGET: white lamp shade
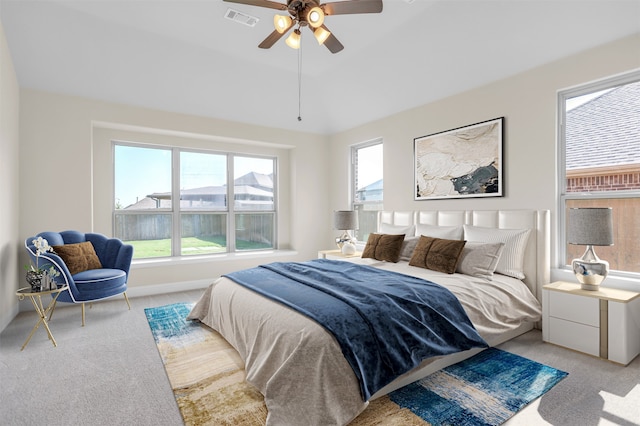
{"x":345,"y":220}
{"x":321,"y":35}
{"x":282,"y":23}
{"x":590,"y":226}
{"x":315,"y":17}
{"x":293,"y":41}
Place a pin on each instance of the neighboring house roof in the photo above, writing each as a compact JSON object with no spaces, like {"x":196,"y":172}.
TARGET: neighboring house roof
{"x":192,"y":192}
{"x":372,"y":186}
{"x":145,"y":203}
{"x":250,"y":188}
{"x":371,"y":192}
{"x":606,"y":130}
{"x":256,"y":180}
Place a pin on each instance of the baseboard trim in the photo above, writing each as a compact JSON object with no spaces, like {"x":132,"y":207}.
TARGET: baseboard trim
{"x":9,"y":315}
{"x":151,"y":290}
{"x":137,"y":291}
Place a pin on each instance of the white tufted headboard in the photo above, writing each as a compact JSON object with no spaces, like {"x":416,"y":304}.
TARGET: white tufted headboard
{"x":537,"y":257}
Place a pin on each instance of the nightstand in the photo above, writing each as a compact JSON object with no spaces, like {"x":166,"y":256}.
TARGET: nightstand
{"x":337,"y":254}
{"x":36,"y":300}
{"x":603,"y":323}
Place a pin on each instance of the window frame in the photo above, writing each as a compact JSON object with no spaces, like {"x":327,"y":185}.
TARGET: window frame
{"x":354,"y":173}
{"x":563,"y":195}
{"x":233,"y":212}
{"x":176,"y":211}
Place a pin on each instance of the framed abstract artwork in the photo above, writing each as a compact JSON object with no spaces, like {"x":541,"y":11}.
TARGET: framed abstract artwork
{"x":460,"y":163}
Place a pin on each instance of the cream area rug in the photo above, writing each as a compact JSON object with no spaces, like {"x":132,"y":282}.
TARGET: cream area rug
{"x":208,"y":380}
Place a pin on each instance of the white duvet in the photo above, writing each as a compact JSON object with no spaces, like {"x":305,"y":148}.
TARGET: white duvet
{"x":298,"y":366}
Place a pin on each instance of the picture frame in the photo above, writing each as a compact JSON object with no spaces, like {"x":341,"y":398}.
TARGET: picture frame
{"x":464,"y":162}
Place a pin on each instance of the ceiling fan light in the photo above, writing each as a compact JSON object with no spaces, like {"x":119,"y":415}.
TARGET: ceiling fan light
{"x":293,"y":41}
{"x":282,"y":23}
{"x":321,"y":35}
{"x":315,"y":17}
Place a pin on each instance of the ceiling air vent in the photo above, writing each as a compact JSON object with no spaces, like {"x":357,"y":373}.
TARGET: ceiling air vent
{"x":242,"y":18}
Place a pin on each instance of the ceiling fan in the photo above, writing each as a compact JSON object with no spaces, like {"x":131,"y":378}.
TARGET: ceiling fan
{"x":310,"y":13}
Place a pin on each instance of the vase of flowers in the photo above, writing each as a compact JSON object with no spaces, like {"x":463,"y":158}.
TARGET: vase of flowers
{"x":35,"y":278}
{"x":41,"y":279}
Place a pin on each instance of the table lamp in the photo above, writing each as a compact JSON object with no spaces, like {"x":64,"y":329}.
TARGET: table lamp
{"x":590,"y":227}
{"x":345,"y":221}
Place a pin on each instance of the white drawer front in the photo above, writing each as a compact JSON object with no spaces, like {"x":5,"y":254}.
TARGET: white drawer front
{"x":571,"y":307}
{"x":579,"y":337}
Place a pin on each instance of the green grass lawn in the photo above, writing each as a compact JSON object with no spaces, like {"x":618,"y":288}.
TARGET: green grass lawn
{"x":190,"y":246}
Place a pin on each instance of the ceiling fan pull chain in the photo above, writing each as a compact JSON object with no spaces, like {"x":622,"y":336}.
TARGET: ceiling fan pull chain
{"x":299,"y":82}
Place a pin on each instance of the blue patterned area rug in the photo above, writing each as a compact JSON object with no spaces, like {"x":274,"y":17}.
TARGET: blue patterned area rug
{"x":208,"y":380}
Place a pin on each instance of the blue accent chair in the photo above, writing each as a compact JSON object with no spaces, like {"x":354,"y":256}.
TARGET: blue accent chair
{"x":93,"y":284}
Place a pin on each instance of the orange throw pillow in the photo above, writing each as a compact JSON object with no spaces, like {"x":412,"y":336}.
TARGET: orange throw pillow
{"x":437,"y":254}
{"x":383,"y":247}
{"x":78,"y":257}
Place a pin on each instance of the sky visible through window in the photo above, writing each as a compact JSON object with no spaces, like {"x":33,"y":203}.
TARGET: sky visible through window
{"x":198,"y":169}
{"x":140,"y":171}
{"x":369,"y":165}
{"x":579,"y":100}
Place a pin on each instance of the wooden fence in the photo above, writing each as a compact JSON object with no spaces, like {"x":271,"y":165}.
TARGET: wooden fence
{"x":250,"y":227}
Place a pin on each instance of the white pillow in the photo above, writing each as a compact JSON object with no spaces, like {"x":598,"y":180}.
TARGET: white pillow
{"x":444,"y":232}
{"x":479,"y":259}
{"x":511,"y":261}
{"x":408,"y":246}
{"x":387,"y":228}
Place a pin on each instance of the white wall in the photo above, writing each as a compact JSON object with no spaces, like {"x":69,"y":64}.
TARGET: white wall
{"x":68,"y":140}
{"x":528,"y":103}
{"x":58,"y":135}
{"x":9,"y":191}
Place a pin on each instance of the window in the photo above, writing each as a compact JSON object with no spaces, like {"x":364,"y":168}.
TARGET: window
{"x":253,"y":203}
{"x":366,"y":160}
{"x":203,"y":203}
{"x":599,"y":136}
{"x":149,"y":179}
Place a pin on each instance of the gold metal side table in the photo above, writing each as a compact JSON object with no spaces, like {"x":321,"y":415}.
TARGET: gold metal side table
{"x":36,"y":300}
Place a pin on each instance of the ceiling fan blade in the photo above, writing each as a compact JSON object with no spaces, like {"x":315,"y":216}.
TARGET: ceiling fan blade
{"x":332,"y":42}
{"x":353,"y":6}
{"x":261,"y":3}
{"x":272,"y":38}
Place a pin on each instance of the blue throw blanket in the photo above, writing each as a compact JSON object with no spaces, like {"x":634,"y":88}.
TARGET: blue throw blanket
{"x":386,"y":323}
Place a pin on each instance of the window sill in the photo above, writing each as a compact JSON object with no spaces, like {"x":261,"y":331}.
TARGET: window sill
{"x":223,"y":257}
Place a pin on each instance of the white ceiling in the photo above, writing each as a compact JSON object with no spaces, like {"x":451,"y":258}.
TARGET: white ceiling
{"x":184,"y":56}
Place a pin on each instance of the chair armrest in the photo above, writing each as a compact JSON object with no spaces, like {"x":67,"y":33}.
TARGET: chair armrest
{"x":48,"y":259}
{"x":57,"y":262}
{"x":117,"y":255}
{"x":123,"y":260}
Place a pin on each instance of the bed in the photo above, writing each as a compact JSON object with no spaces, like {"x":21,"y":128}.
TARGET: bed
{"x":300,"y":368}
